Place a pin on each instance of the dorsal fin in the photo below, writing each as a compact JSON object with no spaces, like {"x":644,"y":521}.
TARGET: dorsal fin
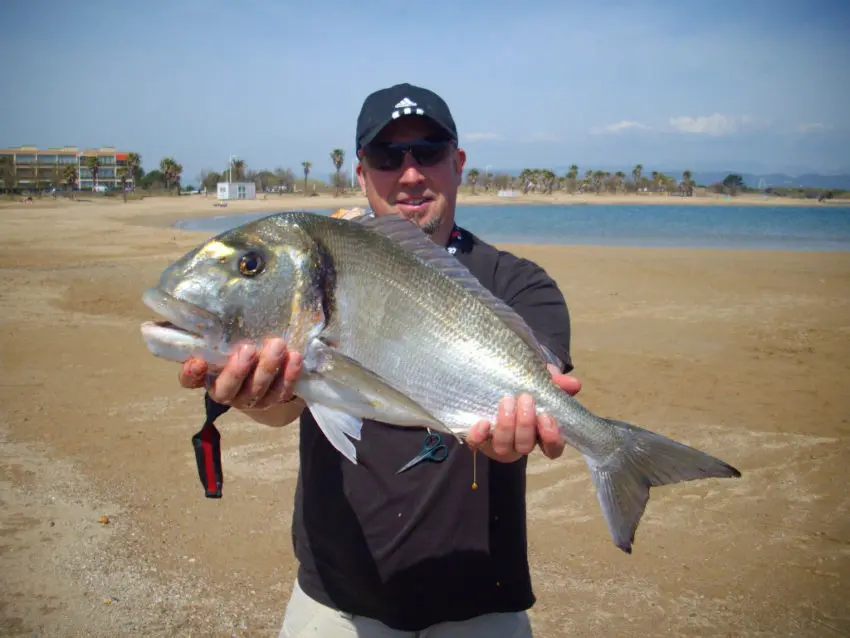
{"x":410,"y":237}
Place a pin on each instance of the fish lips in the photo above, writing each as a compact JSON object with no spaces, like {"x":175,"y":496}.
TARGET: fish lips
{"x":186,"y":327}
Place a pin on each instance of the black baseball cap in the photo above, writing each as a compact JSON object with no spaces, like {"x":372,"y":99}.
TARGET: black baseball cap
{"x":401,"y":100}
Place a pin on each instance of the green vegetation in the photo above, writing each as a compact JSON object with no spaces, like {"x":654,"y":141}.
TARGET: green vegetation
{"x":545,"y":181}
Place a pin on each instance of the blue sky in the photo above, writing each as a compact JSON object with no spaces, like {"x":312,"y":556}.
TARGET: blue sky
{"x":750,"y":85}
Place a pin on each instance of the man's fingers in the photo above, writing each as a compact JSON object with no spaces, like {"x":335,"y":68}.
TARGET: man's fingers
{"x":551,"y":441}
{"x":503,"y":431}
{"x":269,"y":363}
{"x":525,"y":435}
{"x":233,"y":375}
{"x":281,"y":390}
{"x":192,"y":374}
{"x":478,"y":434}
{"x":568,"y":384}
{"x":292,"y":370}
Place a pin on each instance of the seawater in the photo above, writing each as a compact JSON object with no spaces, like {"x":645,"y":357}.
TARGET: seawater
{"x":803,"y":228}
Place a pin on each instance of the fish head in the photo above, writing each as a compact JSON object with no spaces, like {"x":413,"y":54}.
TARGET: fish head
{"x":262,"y":279}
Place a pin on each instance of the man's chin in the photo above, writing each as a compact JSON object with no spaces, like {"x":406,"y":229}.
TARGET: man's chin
{"x":428,"y":222}
{"x":431,"y":226}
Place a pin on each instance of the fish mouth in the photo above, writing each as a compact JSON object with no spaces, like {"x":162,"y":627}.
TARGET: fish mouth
{"x":185,"y":329}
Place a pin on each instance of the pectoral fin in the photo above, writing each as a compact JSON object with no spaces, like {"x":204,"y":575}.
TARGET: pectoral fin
{"x":338,"y":426}
{"x":338,"y":380}
{"x":341,"y":393}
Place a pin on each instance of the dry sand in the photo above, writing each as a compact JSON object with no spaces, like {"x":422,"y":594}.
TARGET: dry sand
{"x":744,"y":354}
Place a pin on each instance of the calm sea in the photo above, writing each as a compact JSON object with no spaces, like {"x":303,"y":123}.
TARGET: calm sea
{"x":808,"y":228}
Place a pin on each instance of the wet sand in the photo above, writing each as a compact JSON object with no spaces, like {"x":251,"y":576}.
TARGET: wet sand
{"x":744,"y":354}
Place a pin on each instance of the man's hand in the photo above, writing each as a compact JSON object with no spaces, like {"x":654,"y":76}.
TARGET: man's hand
{"x":518,"y":427}
{"x":249,"y":380}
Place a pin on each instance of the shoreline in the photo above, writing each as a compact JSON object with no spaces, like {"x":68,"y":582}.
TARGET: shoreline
{"x":173,"y":208}
{"x":162,"y":213}
{"x":194,"y":210}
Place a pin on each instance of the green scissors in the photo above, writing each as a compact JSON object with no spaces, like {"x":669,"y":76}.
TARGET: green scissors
{"x":432,"y":450}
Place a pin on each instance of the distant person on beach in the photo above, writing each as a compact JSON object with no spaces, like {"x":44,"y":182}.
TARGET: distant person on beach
{"x":383,"y":554}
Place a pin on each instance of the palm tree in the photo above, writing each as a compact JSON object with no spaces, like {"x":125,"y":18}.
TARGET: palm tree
{"x":620,"y":180}
{"x":134,"y":167}
{"x":338,"y":159}
{"x":237,"y":166}
{"x":687,"y":183}
{"x":93,"y":164}
{"x":660,"y":181}
{"x":525,"y":180}
{"x":171,"y":172}
{"x":7,"y":172}
{"x":598,"y":178}
{"x":637,"y":171}
{"x":472,"y":178}
{"x":306,"y":166}
{"x":571,"y":178}
{"x":548,"y":178}
{"x":69,"y":176}
{"x":122,"y":172}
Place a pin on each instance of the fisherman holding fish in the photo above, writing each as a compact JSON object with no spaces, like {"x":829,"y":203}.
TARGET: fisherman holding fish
{"x":386,"y":554}
{"x":397,"y":344}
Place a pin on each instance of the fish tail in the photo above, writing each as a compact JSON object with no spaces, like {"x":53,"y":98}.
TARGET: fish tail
{"x":643,"y":460}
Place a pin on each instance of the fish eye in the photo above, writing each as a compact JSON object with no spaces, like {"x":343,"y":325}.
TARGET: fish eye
{"x":251,"y":264}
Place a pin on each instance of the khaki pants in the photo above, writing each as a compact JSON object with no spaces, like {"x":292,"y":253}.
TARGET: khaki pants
{"x":306,"y":617}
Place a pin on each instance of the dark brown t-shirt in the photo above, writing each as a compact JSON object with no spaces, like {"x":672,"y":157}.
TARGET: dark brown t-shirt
{"x":422,"y":547}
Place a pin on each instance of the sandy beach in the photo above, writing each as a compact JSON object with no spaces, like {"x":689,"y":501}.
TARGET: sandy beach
{"x":104,"y":530}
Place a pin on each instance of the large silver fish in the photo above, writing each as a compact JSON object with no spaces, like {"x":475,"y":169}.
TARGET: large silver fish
{"x":395,"y":329}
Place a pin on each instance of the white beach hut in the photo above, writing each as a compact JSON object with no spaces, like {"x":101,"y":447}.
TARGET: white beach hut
{"x":237,"y":190}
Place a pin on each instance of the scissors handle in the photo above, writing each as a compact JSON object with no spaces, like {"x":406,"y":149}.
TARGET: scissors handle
{"x":438,"y":453}
{"x":431,"y":441}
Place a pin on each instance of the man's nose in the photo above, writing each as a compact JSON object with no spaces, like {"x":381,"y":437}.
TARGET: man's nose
{"x":410,"y":173}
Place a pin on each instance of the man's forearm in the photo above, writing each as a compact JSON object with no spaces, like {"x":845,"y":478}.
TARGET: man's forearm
{"x":278,"y":415}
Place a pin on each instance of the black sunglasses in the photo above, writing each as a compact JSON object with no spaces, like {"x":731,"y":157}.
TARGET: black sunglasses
{"x":389,"y":156}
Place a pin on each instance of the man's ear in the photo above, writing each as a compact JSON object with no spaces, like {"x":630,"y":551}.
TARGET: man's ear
{"x":360,"y":177}
{"x":460,"y":162}
{"x":460,"y":159}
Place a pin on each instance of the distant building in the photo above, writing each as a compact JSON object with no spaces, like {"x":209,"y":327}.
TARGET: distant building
{"x":38,"y":169}
{"x":237,"y":190}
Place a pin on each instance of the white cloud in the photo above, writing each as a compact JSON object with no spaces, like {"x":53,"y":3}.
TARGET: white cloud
{"x":544,"y":136}
{"x":481,"y":137}
{"x":813,"y":127}
{"x":714,"y":125}
{"x":618,"y":127}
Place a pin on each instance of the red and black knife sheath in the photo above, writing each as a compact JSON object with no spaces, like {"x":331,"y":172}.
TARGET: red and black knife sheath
{"x":207,"y":444}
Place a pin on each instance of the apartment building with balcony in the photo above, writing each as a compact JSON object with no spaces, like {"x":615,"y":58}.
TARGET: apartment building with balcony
{"x":39,"y":169}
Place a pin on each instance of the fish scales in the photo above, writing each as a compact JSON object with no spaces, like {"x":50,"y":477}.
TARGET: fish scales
{"x":421,"y":331}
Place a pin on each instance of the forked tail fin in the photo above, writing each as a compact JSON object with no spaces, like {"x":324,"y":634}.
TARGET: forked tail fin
{"x":645,"y":460}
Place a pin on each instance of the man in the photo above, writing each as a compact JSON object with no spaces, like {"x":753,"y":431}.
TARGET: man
{"x":419,"y":553}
